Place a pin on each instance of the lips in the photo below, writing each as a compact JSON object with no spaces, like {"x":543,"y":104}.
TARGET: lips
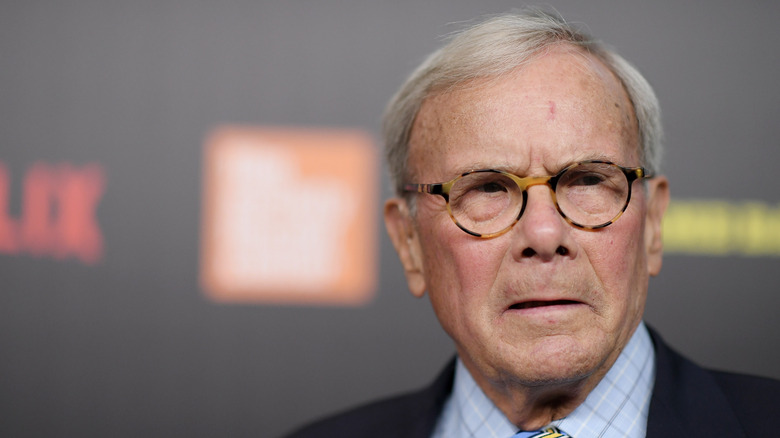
{"x":535,"y":304}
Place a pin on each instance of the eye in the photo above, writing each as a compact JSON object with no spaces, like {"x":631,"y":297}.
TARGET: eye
{"x":482,"y":184}
{"x":491,"y":187}
{"x":587,"y":179}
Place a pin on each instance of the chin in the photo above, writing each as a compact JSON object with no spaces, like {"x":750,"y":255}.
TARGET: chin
{"x":557,"y":363}
{"x":553,"y":377}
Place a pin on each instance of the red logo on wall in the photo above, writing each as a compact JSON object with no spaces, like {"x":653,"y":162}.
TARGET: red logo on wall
{"x":289,"y":216}
{"x":58,"y":212}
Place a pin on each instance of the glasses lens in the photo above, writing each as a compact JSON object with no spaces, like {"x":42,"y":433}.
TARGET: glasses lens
{"x":485,"y":202}
{"x":592,"y":194}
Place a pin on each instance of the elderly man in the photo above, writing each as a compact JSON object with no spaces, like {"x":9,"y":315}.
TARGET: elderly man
{"x":525,"y":157}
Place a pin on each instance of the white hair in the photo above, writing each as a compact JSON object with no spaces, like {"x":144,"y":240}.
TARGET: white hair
{"x":496,"y":46}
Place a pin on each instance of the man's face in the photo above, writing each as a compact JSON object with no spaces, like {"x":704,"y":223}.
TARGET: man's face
{"x":544,"y":303}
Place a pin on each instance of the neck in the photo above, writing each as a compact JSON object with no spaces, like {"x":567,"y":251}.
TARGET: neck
{"x":533,"y":406}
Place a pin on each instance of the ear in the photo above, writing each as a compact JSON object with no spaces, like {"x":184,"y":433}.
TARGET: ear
{"x":657,"y":201}
{"x":403,"y":233}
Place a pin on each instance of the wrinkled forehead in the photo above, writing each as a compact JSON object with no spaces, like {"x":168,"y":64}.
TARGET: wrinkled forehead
{"x":564,"y":81}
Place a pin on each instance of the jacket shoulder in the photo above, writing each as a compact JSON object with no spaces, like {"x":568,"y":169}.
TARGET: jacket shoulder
{"x":755,"y":400}
{"x":713,"y":403}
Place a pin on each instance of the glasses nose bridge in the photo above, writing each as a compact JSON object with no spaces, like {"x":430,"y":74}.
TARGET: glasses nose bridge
{"x":530,"y":181}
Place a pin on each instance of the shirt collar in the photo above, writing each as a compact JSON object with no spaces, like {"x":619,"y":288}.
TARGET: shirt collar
{"x":618,"y":406}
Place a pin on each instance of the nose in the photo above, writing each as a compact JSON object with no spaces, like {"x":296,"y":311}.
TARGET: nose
{"x":541,"y":232}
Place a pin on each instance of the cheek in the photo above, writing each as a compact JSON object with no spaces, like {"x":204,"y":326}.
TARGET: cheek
{"x":460,"y":272}
{"x":453,"y":257}
{"x":476,"y":264}
{"x":618,"y":259}
{"x":618,"y":250}
{"x":612,"y":259}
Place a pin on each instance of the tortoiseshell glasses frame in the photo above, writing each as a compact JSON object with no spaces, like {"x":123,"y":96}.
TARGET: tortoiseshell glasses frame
{"x":594,"y":195}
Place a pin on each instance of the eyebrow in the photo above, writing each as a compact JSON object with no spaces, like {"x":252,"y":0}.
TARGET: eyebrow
{"x":513,"y":169}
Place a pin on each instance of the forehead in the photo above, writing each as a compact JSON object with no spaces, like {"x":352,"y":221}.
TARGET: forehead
{"x":563,"y":106}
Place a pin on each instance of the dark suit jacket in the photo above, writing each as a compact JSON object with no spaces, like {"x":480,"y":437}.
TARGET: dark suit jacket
{"x":687,"y":401}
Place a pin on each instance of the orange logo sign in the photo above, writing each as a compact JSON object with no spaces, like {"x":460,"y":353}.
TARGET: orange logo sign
{"x":58,"y":217}
{"x":289,"y":216}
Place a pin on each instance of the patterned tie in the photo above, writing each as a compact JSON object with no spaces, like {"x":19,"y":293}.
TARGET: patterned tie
{"x":547,"y":432}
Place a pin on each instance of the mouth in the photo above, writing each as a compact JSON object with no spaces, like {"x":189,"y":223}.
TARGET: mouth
{"x":536,"y":304}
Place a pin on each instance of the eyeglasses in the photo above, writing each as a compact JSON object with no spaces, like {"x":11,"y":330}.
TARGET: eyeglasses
{"x":487,"y":203}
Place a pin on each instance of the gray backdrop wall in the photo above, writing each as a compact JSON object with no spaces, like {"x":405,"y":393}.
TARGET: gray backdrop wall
{"x":107,"y":332}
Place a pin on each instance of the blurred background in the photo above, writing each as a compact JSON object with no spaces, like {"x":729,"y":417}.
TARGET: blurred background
{"x":106,"y":108}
